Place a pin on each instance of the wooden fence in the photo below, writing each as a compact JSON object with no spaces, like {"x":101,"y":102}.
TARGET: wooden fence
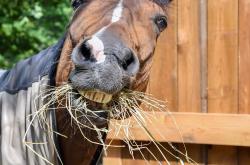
{"x":201,"y":67}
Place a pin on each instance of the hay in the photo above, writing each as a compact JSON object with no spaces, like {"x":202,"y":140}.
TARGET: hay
{"x":122,"y":106}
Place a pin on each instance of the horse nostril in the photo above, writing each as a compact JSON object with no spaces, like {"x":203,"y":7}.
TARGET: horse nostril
{"x":85,"y":50}
{"x":128,"y":60}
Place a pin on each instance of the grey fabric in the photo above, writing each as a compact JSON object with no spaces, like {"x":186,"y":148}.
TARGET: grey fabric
{"x":1,"y":72}
{"x":15,"y":120}
{"x":20,"y":91}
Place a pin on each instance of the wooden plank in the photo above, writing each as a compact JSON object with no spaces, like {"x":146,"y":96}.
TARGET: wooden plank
{"x":195,"y":156}
{"x":163,"y":77}
{"x":188,"y":56}
{"x":140,"y":158}
{"x":198,"y":128}
{"x":222,"y":69}
{"x":189,"y":78}
{"x":244,"y":68}
{"x":244,"y":55}
{"x":114,"y":154}
{"x":170,"y":159}
{"x":223,"y":56}
{"x":244,"y":156}
{"x":222,"y":155}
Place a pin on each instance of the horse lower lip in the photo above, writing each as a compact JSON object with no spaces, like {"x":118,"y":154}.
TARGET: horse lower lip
{"x":96,"y":96}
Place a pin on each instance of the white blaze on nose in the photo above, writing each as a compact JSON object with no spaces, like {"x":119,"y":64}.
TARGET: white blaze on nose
{"x":97,"y":46}
{"x":117,"y":13}
{"x":97,"y":49}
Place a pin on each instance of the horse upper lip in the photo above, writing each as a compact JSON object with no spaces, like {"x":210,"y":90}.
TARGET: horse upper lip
{"x":96,"y":96}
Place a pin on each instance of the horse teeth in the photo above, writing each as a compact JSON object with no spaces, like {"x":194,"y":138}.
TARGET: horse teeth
{"x":98,"y":97}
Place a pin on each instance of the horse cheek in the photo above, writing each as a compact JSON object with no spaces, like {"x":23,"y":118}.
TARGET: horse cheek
{"x":65,"y":64}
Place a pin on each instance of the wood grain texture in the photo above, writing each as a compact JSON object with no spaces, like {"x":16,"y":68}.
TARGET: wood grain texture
{"x":221,"y":155}
{"x":140,"y":158}
{"x":223,"y":56}
{"x":196,"y":156}
{"x":223,"y":69}
{"x":244,"y":56}
{"x":217,"y":129}
{"x":188,"y":56}
{"x":170,"y":159}
{"x":244,"y":69}
{"x":114,"y":155}
{"x":244,"y":156}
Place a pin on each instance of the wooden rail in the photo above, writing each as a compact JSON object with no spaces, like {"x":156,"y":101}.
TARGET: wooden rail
{"x":216,"y":129}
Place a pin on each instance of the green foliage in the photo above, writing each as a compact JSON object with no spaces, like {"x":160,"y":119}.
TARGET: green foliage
{"x":28,"y":26}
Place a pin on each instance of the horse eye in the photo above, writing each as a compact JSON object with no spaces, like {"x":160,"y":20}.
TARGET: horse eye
{"x":161,"y":22}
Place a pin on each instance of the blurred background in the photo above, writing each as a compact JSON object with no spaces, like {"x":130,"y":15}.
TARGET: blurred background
{"x":28,"y":26}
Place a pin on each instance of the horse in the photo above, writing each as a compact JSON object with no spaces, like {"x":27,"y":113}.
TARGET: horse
{"x":108,"y":48}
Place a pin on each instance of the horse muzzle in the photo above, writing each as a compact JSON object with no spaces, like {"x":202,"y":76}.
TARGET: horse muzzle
{"x":102,"y":70}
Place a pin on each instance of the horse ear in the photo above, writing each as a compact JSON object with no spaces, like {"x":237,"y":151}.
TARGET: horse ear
{"x":76,"y":3}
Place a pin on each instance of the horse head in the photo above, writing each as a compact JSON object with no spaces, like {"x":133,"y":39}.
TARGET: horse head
{"x":108,"y":48}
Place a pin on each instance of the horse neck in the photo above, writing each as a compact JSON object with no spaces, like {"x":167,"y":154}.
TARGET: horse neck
{"x":75,"y":149}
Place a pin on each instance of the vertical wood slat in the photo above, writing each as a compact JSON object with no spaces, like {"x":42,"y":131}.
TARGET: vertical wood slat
{"x":171,"y":159}
{"x":189,"y":79}
{"x":188,"y":56}
{"x":222,"y":69}
{"x":244,"y":69}
{"x":223,"y":56}
{"x":114,"y":155}
{"x":138,"y":158}
{"x":244,"y":56}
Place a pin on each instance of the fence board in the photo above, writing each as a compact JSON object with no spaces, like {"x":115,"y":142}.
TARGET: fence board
{"x":222,"y":155}
{"x":171,"y":159}
{"x":244,"y":55}
{"x":244,"y":68}
{"x":244,"y":156}
{"x":114,"y":155}
{"x":189,"y":59}
{"x":223,"y":56}
{"x":222,"y":69}
{"x":221,"y":129}
{"x":188,"y":56}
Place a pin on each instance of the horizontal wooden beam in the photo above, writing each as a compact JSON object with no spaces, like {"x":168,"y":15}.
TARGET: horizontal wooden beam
{"x":197,"y":128}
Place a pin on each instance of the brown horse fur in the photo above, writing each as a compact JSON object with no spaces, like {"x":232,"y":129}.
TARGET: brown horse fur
{"x":135,"y":29}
